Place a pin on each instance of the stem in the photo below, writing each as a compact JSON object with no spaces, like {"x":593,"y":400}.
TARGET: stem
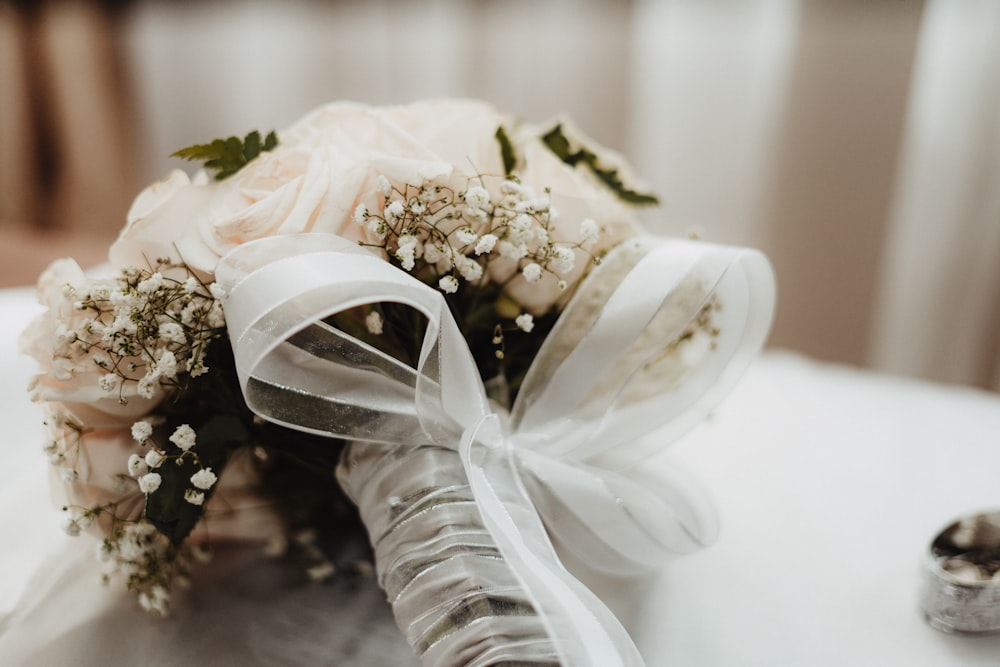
{"x":452,"y":594}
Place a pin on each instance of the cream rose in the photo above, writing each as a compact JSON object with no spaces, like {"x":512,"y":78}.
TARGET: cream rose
{"x":332,"y":160}
{"x":324,"y":166}
{"x":575,"y":196}
{"x":68,"y":374}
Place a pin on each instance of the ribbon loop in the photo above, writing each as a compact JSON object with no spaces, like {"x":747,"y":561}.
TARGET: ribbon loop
{"x":634,"y":351}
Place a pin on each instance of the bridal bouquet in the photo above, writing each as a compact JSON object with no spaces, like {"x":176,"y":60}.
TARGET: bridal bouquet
{"x":443,"y":315}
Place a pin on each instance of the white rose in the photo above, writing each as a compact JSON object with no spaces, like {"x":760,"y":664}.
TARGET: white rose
{"x":579,"y":199}
{"x":323,"y":168}
{"x":68,"y":374}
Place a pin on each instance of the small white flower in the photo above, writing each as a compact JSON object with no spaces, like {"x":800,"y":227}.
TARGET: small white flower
{"x":535,"y":205}
{"x":513,"y":250}
{"x":204,"y":479}
{"x":69,"y":475}
{"x":477,"y":197}
{"x":486,"y":243}
{"x":407,"y":250}
{"x":394,"y":211}
{"x":377,"y":228}
{"x":525,"y":322}
{"x":433,"y":252}
{"x":150,"y":482}
{"x":123,"y":324}
{"x":155,"y":458}
{"x":171,"y":332}
{"x":137,"y":465}
{"x":521,"y":228}
{"x":469,"y":268}
{"x":447,"y":261}
{"x":475,"y":215}
{"x":563,"y":285}
{"x":190,"y":285}
{"x":562,"y":259}
{"x":418,"y":208}
{"x":155,"y":600}
{"x":141,"y":430}
{"x":196,"y":367}
{"x":150,"y":284}
{"x":109,"y":382}
{"x":147,"y":386}
{"x":448,"y":284}
{"x":510,"y":188}
{"x":383,"y":186}
{"x":532,"y":272}
{"x":465,"y":235}
{"x":373,"y":322}
{"x":216,"y":316}
{"x":215,"y":289}
{"x":184,"y":437}
{"x":166,"y":365}
{"x":361,"y":214}
{"x":589,"y":232}
{"x":406,"y":257}
{"x":194,"y":497}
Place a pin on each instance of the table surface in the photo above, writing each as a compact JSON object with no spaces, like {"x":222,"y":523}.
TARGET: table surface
{"x":830,"y":482}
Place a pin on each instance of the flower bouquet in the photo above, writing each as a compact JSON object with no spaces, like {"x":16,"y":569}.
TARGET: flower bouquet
{"x":433,"y":318}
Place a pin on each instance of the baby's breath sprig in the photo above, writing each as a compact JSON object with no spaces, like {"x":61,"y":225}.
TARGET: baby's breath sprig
{"x":150,"y":564}
{"x":471,"y":244}
{"x":144,"y":329}
{"x":446,"y":238}
{"x":134,"y":550}
{"x":145,"y":333}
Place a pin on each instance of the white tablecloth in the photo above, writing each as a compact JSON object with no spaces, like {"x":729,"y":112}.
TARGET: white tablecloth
{"x":830,"y":482}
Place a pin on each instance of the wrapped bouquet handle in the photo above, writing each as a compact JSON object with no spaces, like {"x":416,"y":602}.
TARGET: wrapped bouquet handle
{"x":609,"y":373}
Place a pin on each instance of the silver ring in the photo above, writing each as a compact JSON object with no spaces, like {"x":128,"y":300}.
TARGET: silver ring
{"x":961,"y":587}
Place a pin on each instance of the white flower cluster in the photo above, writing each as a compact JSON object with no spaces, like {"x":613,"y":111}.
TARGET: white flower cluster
{"x":150,"y":565}
{"x":143,"y":468}
{"x":140,"y":329}
{"x":474,"y":235}
{"x":134,"y":548}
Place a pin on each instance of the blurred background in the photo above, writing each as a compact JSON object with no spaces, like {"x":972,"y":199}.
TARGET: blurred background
{"x":857,"y":142}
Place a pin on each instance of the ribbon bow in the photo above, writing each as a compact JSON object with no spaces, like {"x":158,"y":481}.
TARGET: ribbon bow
{"x":618,"y":365}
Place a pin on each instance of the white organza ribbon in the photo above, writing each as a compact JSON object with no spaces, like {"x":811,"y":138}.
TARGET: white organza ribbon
{"x":622,"y":362}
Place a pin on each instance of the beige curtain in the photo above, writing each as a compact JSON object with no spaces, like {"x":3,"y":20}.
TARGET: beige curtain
{"x":855,"y":142}
{"x":66,"y":166}
{"x":938,"y":311}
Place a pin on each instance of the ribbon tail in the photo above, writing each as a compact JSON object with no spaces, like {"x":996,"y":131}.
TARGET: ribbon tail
{"x":620,"y":523}
{"x":586,"y":633}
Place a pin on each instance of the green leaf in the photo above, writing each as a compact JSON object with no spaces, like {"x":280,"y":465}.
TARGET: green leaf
{"x":166,"y":507}
{"x":225,"y":157}
{"x":506,"y":151}
{"x":270,"y":141}
{"x":559,"y":144}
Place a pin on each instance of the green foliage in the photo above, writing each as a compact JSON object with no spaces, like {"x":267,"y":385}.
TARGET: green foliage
{"x":225,"y":157}
{"x":560,"y":145}
{"x":506,"y":151}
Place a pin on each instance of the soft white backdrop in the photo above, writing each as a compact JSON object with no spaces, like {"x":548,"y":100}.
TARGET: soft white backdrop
{"x":857,"y":143}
